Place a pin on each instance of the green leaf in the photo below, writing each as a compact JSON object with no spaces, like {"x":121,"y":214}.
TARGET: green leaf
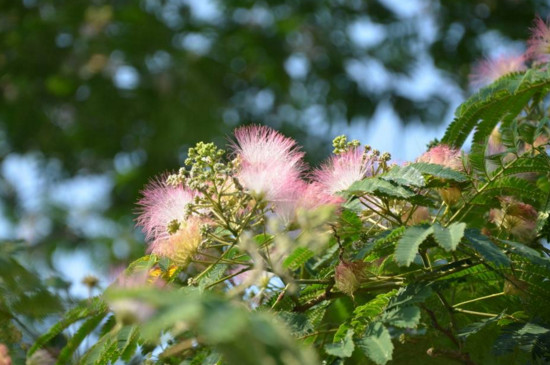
{"x":297,"y":258}
{"x":343,"y":348}
{"x":508,"y":95}
{"x":215,"y":274}
{"x":403,"y":317}
{"x":449,"y":237}
{"x":526,"y":252}
{"x":263,"y":239}
{"x":376,"y":344}
{"x":439,"y":171}
{"x":411,"y":294}
{"x":406,"y":175}
{"x":509,"y":185}
{"x":486,"y":248}
{"x":475,"y":327}
{"x":86,"y":309}
{"x":526,"y":164}
{"x":377,"y":186}
{"x":407,"y":247}
{"x":65,"y":356}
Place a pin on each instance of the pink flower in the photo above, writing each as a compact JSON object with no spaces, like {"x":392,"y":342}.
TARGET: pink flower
{"x":270,"y":163}
{"x":182,"y":245}
{"x":487,"y":71}
{"x":443,"y":155}
{"x":341,"y":171}
{"x":165,"y":223}
{"x":539,"y":43}
{"x":307,"y":196}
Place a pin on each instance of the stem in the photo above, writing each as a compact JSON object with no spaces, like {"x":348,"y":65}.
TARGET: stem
{"x":205,"y":271}
{"x":313,"y":281}
{"x":468,"y":205}
{"x":447,"y":332}
{"x":480,"y":298}
{"x":318,"y":333}
{"x":227,"y":277}
{"x":483,"y":314}
{"x":281,"y":296}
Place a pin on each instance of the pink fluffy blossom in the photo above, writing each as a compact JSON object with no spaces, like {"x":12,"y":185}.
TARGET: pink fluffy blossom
{"x":270,"y":163}
{"x":539,"y":43}
{"x":443,"y":155}
{"x":341,"y":171}
{"x":165,"y":223}
{"x":491,"y":70}
{"x":306,"y":196}
{"x":161,"y":204}
{"x":182,"y":245}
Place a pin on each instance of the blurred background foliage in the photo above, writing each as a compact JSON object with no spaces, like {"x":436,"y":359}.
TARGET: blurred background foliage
{"x":96,"y":97}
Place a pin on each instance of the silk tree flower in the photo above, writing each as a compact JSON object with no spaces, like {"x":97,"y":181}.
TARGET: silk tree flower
{"x":487,"y":71}
{"x":306,"y":196}
{"x":270,"y":164}
{"x":448,"y":157}
{"x":341,"y":171}
{"x":520,"y":219}
{"x":539,"y":43}
{"x":443,"y":155}
{"x":168,"y":228}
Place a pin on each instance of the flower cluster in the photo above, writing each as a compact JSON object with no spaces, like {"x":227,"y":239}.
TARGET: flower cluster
{"x":266,"y":173}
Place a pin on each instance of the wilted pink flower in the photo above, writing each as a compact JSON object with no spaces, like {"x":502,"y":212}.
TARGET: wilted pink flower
{"x":341,"y":171}
{"x":165,"y":223}
{"x":348,"y":276}
{"x":443,"y":155}
{"x":270,"y":163}
{"x":516,"y":217}
{"x":539,"y":43}
{"x":490,"y":70}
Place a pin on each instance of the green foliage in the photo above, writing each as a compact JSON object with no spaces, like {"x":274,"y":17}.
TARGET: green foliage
{"x":449,"y":237}
{"x":376,"y":343}
{"x":380,"y":187}
{"x":407,"y":247}
{"x":487,"y":249}
{"x":439,"y":171}
{"x":507,"y":96}
{"x":343,"y":348}
{"x":316,"y":284}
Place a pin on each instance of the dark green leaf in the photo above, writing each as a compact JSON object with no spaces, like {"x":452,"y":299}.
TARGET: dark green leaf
{"x":343,"y":348}
{"x":376,"y":343}
{"x":406,"y":175}
{"x":439,"y":171}
{"x":449,"y":237}
{"x":403,"y":317}
{"x":487,"y":249}
{"x":407,"y":247}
